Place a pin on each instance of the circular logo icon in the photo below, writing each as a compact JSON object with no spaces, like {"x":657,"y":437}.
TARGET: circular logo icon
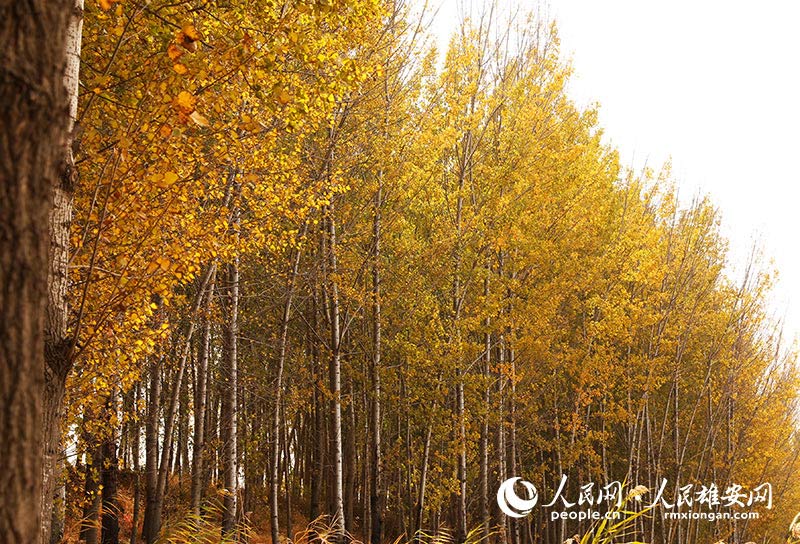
{"x":513,"y":505}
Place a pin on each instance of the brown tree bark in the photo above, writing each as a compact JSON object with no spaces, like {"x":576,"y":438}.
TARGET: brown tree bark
{"x":58,"y":344}
{"x":34,"y":128}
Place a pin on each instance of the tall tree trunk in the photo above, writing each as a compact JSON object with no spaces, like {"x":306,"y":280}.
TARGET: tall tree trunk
{"x":335,"y":379}
{"x":58,"y":345}
{"x":150,"y":530}
{"x":318,"y":465}
{"x":137,"y":488}
{"x":109,"y":479}
{"x":33,"y":128}
{"x":90,"y":526}
{"x":423,"y":481}
{"x":156,"y":505}
{"x":229,"y":400}
{"x":200,"y":397}
{"x":276,"y":415}
{"x":484,"y":438}
{"x":376,"y":460}
{"x":461,"y":499}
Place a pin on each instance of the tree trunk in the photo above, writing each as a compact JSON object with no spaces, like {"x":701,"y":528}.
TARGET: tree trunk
{"x":336,"y":381}
{"x":137,"y":488}
{"x":484,"y":438}
{"x":90,"y":527}
{"x":423,"y":480}
{"x":110,"y":478}
{"x":376,"y":461}
{"x":156,"y":503}
{"x":58,"y":345}
{"x":229,"y":400}
{"x":200,"y":397}
{"x":34,"y":128}
{"x":318,"y":465}
{"x":150,"y":529}
{"x":276,"y":417}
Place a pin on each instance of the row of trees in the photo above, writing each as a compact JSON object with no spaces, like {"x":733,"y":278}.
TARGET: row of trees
{"x":301,"y":266}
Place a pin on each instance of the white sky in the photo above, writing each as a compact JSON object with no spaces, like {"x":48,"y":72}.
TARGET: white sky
{"x":714,"y":85}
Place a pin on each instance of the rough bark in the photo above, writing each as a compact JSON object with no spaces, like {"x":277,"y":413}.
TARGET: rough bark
{"x":58,"y":357}
{"x":34,"y":129}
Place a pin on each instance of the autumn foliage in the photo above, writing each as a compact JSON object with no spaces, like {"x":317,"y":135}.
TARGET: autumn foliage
{"x":420,"y":272}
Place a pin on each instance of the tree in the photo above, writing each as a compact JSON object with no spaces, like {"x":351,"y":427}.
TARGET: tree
{"x":35,"y":127}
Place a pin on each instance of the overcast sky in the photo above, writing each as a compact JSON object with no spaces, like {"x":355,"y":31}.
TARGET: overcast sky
{"x":715,"y":86}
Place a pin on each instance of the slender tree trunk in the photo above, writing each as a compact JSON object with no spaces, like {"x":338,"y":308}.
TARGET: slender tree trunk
{"x":336,"y":380}
{"x":351,"y":462}
{"x":376,"y":461}
{"x":90,"y":526}
{"x":150,"y":529}
{"x":137,"y":488}
{"x":276,"y":419}
{"x":229,"y":400}
{"x":423,"y":481}
{"x":110,"y":478}
{"x":286,"y":483}
{"x":201,"y":394}
{"x":484,"y":438}
{"x":461,"y":499}
{"x":318,"y":465}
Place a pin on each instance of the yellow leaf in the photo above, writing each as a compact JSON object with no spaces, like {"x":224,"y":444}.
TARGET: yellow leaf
{"x":174,"y":51}
{"x":185,"y":101}
{"x":282,"y":96}
{"x":190,"y":32}
{"x":170,"y":178}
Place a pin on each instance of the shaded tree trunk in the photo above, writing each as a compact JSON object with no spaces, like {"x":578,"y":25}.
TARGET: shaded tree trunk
{"x":200,"y":398}
{"x":150,"y":529}
{"x":110,"y":479}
